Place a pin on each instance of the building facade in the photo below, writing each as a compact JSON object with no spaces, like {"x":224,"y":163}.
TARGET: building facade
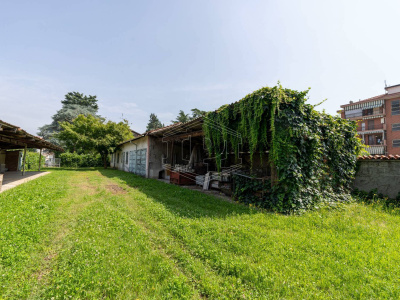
{"x":378,"y":121}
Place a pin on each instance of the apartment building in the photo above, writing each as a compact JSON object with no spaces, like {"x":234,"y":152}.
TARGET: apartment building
{"x":378,"y":121}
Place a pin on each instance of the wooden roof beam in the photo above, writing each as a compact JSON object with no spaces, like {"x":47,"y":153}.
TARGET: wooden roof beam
{"x":184,"y":135}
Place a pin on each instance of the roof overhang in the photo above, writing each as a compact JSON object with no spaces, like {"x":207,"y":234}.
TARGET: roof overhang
{"x":13,"y":137}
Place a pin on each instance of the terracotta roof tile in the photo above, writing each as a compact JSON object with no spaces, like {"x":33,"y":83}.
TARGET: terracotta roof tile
{"x":379,"y":157}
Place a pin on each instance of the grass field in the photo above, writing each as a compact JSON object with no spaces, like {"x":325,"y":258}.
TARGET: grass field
{"x":95,"y":234}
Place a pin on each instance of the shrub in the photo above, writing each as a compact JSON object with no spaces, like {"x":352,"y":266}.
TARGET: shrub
{"x":373,"y":197}
{"x":75,"y":160}
{"x":32,"y":161}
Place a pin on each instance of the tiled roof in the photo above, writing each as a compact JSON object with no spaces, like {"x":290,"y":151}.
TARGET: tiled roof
{"x":162,"y":128}
{"x":150,"y":132}
{"x":16,"y":137}
{"x":379,"y":157}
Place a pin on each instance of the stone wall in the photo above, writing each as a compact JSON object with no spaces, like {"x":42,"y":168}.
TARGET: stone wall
{"x":383,"y":175}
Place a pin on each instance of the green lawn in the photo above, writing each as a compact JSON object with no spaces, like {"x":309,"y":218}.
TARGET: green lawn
{"x":95,"y":234}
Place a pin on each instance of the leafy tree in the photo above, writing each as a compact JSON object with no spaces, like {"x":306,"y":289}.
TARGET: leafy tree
{"x":154,"y":123}
{"x":91,"y":133}
{"x":75,"y":104}
{"x":197,"y":113}
{"x":183,"y":118}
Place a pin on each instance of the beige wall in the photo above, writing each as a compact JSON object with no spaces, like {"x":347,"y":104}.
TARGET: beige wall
{"x":141,"y":144}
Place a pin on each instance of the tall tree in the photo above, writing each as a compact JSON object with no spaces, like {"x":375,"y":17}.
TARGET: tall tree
{"x":197,"y":113}
{"x":154,"y":123}
{"x":91,"y":133}
{"x":182,"y":117}
{"x":75,"y":104}
{"x":75,"y":98}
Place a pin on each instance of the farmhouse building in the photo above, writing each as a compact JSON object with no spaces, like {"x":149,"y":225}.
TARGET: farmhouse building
{"x":378,"y":121}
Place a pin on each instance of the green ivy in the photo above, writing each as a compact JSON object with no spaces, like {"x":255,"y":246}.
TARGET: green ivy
{"x":314,"y":153}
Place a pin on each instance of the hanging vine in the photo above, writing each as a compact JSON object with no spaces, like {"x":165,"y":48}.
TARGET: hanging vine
{"x":314,"y":153}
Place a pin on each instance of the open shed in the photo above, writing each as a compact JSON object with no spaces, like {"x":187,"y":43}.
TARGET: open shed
{"x":14,"y":142}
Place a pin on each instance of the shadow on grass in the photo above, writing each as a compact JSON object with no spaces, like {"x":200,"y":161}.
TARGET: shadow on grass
{"x":181,"y":201}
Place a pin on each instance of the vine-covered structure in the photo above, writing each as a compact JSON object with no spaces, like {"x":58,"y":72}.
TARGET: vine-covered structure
{"x":309,"y":156}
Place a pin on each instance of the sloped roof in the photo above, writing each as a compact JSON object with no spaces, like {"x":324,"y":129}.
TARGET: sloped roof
{"x":13,"y":137}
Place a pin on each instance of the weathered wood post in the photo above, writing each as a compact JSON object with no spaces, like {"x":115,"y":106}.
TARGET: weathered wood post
{"x":40,"y":158}
{"x":23,"y":161}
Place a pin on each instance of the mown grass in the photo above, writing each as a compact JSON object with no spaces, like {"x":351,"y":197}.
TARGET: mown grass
{"x":94,"y":234}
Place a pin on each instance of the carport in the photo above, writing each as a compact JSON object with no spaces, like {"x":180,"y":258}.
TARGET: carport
{"x":16,"y":139}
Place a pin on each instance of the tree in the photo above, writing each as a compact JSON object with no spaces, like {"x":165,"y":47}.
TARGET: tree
{"x":197,"y":113}
{"x":75,"y":104}
{"x":91,"y":133}
{"x":154,"y":123}
{"x":75,"y":98}
{"x":183,"y":118}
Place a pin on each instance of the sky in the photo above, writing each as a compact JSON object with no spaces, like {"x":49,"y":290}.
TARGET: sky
{"x":142,"y":57}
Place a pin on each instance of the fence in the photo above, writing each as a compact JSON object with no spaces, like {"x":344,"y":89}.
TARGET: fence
{"x":53,"y":162}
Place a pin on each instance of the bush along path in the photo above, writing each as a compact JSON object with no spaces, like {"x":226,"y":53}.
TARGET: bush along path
{"x":91,"y":234}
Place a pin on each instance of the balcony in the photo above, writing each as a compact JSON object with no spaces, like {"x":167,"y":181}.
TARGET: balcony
{"x":371,"y":127}
{"x":376,"y":149}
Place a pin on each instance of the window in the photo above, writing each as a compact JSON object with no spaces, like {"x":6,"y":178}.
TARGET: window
{"x":396,"y":143}
{"x":370,"y":124}
{"x":118,"y":158}
{"x":395,"y":107}
{"x":368,"y":112}
{"x":396,"y":127}
{"x":363,"y":126}
{"x":126,"y":161}
{"x":371,"y":140}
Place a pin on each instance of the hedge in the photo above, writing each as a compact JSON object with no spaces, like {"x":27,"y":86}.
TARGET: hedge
{"x":74,"y":160}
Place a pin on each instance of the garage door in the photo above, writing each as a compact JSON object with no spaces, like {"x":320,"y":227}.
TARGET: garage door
{"x":137,"y":162}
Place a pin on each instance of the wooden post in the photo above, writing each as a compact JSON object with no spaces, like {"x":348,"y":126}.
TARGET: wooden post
{"x":172,"y":154}
{"x":40,"y":158}
{"x":23,"y":161}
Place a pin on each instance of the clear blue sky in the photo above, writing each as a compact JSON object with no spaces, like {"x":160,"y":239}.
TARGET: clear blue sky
{"x":141,"y":57}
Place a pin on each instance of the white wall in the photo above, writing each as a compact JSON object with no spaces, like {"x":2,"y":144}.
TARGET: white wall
{"x":122,"y":165}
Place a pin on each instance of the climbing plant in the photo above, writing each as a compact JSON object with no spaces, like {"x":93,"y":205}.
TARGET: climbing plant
{"x":313,"y":154}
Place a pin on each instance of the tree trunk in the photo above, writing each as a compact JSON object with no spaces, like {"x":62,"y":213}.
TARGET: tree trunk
{"x":104,"y":161}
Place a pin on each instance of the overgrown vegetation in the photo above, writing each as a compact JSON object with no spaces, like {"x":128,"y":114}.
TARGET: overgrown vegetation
{"x":107,"y":234}
{"x":75,"y":160}
{"x":312,"y":153}
{"x":32,"y":161}
{"x":374,"y":197}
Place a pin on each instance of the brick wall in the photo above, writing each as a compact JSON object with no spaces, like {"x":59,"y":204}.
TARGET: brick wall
{"x":391,"y":135}
{"x":12,"y":160}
